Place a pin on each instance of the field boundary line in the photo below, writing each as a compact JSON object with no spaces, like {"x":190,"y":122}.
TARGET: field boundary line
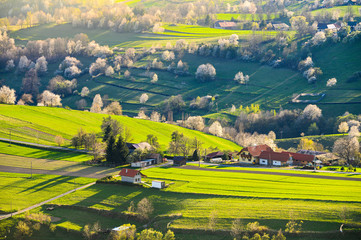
{"x":44,"y":202}
{"x":42,"y":145}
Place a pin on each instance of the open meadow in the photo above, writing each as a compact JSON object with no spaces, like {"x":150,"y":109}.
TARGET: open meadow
{"x":26,"y":121}
{"x":271,"y":200}
{"x":19,"y":191}
{"x":42,"y":153}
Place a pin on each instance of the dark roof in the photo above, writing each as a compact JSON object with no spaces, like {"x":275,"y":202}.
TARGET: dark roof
{"x":283,"y":156}
{"x":132,"y":145}
{"x":352,"y":24}
{"x":255,"y":151}
{"x":322,"y":25}
{"x":302,"y":157}
{"x":153,"y":156}
{"x":179,"y":158}
{"x":215,"y":154}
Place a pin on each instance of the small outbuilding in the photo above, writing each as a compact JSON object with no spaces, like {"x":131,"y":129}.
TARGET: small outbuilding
{"x":158,"y":184}
{"x":179,"y":161}
{"x":131,"y":175}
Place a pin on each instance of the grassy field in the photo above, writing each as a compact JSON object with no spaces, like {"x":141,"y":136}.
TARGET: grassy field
{"x":19,"y":192}
{"x":50,"y":120}
{"x":245,"y":17}
{"x":195,"y":194}
{"x":269,"y":87}
{"x":354,"y":9}
{"x":291,"y":170}
{"x":33,"y":152}
{"x":191,"y":33}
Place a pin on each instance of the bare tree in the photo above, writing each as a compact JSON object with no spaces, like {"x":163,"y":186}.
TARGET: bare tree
{"x":144,"y":209}
{"x":346,"y":148}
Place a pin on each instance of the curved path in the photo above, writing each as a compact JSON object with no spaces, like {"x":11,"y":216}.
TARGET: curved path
{"x":273,"y":173}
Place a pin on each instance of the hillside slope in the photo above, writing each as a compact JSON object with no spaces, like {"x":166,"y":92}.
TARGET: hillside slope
{"x":42,"y":124}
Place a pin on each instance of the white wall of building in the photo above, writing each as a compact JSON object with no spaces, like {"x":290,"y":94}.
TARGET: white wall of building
{"x":263,"y":162}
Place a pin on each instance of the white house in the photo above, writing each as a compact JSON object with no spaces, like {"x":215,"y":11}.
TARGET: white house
{"x":216,"y":160}
{"x":131,"y":175}
{"x":158,"y":184}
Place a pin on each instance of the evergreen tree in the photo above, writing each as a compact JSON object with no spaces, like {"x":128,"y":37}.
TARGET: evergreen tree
{"x":107,"y":133}
{"x":109,"y":152}
{"x":121,"y":151}
{"x":195,"y":155}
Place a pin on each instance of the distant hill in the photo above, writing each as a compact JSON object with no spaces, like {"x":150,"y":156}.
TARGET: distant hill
{"x":42,"y":124}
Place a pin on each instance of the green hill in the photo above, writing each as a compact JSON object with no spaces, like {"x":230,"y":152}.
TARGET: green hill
{"x":42,"y":124}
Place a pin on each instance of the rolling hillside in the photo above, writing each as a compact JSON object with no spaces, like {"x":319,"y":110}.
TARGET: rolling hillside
{"x":42,"y":124}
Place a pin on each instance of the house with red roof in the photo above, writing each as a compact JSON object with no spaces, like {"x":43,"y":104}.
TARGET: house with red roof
{"x":225,"y":25}
{"x":131,"y":175}
{"x":250,"y":155}
{"x":270,"y":158}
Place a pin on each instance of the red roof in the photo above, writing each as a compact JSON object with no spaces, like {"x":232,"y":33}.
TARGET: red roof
{"x":302,"y":157}
{"x":227,"y":24}
{"x":283,"y":156}
{"x":255,"y":151}
{"x":128,"y":172}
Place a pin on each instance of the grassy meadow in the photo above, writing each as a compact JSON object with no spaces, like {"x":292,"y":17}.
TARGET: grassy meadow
{"x":18,"y":191}
{"x":354,"y":9}
{"x":271,"y":200}
{"x":52,"y":121}
{"x":42,"y":153}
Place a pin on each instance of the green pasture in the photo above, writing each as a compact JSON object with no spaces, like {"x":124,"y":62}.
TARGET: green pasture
{"x":354,"y":9}
{"x":288,"y":170}
{"x":58,"y":121}
{"x":43,"y":153}
{"x":246,"y":17}
{"x":271,"y":200}
{"x":191,"y":33}
{"x":18,"y":191}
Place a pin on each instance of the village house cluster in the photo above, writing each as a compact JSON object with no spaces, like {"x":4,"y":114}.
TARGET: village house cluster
{"x":264,"y":155}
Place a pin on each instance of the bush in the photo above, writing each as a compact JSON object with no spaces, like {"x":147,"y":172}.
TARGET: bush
{"x":355,"y":77}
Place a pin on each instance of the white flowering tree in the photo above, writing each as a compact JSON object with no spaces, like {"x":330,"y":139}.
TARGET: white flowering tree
{"x":206,"y":72}
{"x":331,"y":82}
{"x":143,"y":98}
{"x":7,"y":95}
{"x":216,"y":129}
{"x":50,"y":99}
{"x":97,"y":104}
{"x":84,"y":92}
